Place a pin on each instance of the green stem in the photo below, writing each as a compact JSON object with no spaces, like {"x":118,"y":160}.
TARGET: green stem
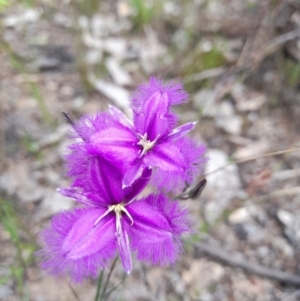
{"x":108,"y":277}
{"x":115,"y":287}
{"x":99,"y":286}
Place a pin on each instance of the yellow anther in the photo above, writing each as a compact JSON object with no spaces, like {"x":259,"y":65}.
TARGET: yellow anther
{"x":118,"y":209}
{"x":146,"y":144}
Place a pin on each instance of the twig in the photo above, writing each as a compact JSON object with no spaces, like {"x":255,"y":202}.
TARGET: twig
{"x":286,"y":151}
{"x":195,"y":191}
{"x":218,"y":254}
{"x":99,"y":283}
{"x":116,"y":286}
{"x":293,"y":297}
{"x":108,"y":277}
{"x":206,"y":74}
{"x":276,"y":194}
{"x":74,"y":292}
{"x":276,"y":42}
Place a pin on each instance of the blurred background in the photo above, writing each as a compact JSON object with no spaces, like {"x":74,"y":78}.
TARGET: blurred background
{"x":239,"y":60}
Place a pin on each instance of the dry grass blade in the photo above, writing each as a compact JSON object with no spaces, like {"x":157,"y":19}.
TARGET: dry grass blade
{"x":286,"y":151}
{"x":218,"y":254}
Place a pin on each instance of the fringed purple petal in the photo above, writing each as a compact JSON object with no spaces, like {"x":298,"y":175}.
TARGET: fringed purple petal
{"x":114,"y":144}
{"x":165,"y":156}
{"x":105,"y":180}
{"x":105,"y":135}
{"x":124,"y":249}
{"x":151,"y":119}
{"x":121,"y":118}
{"x":138,"y":186}
{"x":98,"y":179}
{"x":133,"y":173}
{"x":89,"y":125}
{"x":158,"y":224}
{"x":76,"y":160}
{"x":152,"y":107}
{"x":180,"y":131}
{"x":74,"y":246}
{"x":175,"y":181}
{"x":76,"y":194}
{"x":174,"y":92}
{"x":79,"y":165}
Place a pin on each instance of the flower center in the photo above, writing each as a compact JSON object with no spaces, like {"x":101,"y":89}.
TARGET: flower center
{"x":146,"y":144}
{"x":118,"y":209}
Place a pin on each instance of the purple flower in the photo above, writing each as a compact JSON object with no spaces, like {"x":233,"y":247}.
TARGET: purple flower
{"x":150,"y":141}
{"x":82,"y":242}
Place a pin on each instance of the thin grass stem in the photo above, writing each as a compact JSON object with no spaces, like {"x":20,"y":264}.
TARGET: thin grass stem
{"x":108,"y":277}
{"x":99,"y":284}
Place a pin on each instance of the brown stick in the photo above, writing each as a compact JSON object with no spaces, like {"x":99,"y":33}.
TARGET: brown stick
{"x":216,"y":253}
{"x":252,"y":158}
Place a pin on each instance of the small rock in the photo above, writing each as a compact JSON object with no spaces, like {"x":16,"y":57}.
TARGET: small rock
{"x":255,"y":148}
{"x":281,"y":245}
{"x":119,"y":74}
{"x":6,"y":291}
{"x":102,"y":25}
{"x":246,"y":214}
{"x":227,"y":120}
{"x":62,"y":19}
{"x":177,"y":283}
{"x":28,"y":16}
{"x":78,"y":102}
{"x":291,"y":225}
{"x":151,"y":51}
{"x":118,"y":95}
{"x":91,"y":41}
{"x":62,"y":131}
{"x":205,"y":100}
{"x":285,"y":217}
{"x":284,"y":175}
{"x":254,"y":233}
{"x":83,"y":22}
{"x":210,"y":272}
{"x":241,"y":215}
{"x":93,"y":56}
{"x":52,"y":177}
{"x":220,"y":179}
{"x":67,"y":90}
{"x":31,"y":192}
{"x":117,"y":47}
{"x":124,"y":9}
{"x":263,"y":251}
{"x":222,"y":186}
{"x":156,"y":282}
{"x":238,"y":140}
{"x":247,"y":100}
{"x":19,"y":179}
{"x":53,"y":203}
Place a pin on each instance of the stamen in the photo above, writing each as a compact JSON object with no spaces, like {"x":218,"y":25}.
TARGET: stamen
{"x":146,"y":144}
{"x":110,"y":209}
{"x":118,"y":209}
{"x":128,"y":215}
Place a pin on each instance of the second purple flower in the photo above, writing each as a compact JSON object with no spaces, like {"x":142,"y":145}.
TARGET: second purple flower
{"x":150,"y":141}
{"x":81,"y":242}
